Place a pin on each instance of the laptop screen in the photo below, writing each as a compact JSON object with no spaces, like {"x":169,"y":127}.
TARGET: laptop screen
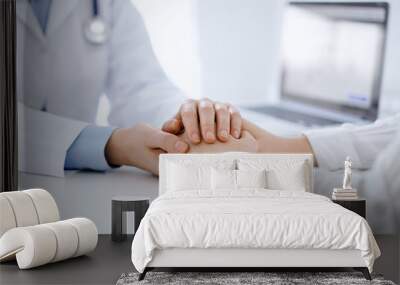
{"x":333,"y":55}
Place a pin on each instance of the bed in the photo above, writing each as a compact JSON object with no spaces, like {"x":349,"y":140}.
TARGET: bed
{"x":239,"y":210}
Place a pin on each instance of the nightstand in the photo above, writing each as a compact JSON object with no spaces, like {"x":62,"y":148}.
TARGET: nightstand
{"x":358,"y":206}
{"x":121,"y":205}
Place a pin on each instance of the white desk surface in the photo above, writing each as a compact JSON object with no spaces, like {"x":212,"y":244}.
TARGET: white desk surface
{"x":89,"y":194}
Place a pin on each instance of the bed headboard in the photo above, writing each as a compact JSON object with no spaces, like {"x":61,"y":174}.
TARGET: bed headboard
{"x":215,"y":158}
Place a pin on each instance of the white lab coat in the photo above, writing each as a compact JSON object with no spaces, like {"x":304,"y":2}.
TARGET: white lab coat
{"x":67,"y":74}
{"x":375,"y":153}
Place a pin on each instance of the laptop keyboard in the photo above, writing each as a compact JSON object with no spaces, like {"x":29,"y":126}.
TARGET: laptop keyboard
{"x":293,"y":116}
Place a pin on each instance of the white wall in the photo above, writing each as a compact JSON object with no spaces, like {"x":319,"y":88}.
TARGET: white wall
{"x":173,"y":32}
{"x":223,"y":49}
{"x":239,"y":48}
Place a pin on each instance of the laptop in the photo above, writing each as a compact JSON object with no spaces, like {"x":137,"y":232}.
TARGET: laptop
{"x":332,"y":63}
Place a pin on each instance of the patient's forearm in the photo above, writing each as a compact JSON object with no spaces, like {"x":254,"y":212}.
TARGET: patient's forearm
{"x":270,"y":143}
{"x":274,"y":144}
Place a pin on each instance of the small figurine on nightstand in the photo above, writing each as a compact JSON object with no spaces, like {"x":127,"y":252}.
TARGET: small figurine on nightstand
{"x":347,"y":174}
{"x":346,"y":192}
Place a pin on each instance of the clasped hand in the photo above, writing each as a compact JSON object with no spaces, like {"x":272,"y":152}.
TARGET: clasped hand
{"x":201,"y":126}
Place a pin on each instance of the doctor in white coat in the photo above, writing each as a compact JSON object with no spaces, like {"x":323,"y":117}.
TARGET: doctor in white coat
{"x":69,"y":53}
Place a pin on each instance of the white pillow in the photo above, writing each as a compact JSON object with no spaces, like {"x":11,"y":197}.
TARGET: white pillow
{"x":251,"y":178}
{"x":223,"y":179}
{"x":292,"y":179}
{"x":227,"y":179}
{"x":182,"y":177}
{"x":281,"y":174}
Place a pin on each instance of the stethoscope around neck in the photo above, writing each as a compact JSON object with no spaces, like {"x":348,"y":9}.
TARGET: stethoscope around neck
{"x":95,"y":29}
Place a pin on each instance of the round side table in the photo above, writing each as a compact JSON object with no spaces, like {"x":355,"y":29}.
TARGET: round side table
{"x":121,"y":205}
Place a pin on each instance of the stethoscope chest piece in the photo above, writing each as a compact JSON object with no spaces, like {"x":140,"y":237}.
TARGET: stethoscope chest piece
{"x":96,"y":30}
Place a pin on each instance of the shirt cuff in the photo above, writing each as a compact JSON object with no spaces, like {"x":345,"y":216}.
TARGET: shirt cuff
{"x":87,"y":150}
{"x":331,"y":146}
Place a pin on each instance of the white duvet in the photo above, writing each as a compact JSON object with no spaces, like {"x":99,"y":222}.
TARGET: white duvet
{"x":250,"y":219}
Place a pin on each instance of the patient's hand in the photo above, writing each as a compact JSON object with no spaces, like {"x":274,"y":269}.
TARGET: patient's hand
{"x":246,"y":143}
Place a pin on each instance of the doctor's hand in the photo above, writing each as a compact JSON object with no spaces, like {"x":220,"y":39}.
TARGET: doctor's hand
{"x":205,"y":120}
{"x":141,"y":145}
{"x":246,"y":143}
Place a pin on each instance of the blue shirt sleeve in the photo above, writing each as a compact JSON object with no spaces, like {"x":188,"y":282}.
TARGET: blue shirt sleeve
{"x":87,"y":150}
